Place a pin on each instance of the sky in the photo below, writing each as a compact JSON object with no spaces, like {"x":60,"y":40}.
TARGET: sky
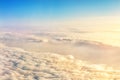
{"x":59,"y":12}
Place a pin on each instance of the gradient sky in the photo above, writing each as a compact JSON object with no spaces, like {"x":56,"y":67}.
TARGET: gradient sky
{"x":14,"y":11}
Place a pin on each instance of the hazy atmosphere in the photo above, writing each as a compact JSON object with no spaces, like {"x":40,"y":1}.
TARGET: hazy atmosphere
{"x":59,"y":39}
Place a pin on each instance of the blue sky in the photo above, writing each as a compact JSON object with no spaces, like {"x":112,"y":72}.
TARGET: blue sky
{"x":56,"y":9}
